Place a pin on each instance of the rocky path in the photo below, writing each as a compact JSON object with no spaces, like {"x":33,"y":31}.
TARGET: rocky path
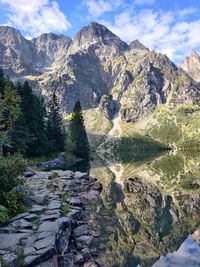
{"x":55,"y":231}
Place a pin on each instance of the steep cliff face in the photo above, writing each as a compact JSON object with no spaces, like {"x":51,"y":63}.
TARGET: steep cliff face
{"x":17,"y":52}
{"x":94,"y":64}
{"x":191,"y":65}
{"x":49,"y":48}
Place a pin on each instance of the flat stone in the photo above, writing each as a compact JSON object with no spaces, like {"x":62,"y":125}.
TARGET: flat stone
{"x":45,"y":234}
{"x":22,"y":224}
{"x":26,"y":231}
{"x":50,"y":217}
{"x":74,"y":214}
{"x":10,"y":241}
{"x":90,"y":263}
{"x":37,"y":209}
{"x":48,"y":227}
{"x":50,"y":263}
{"x":19,"y":216}
{"x":74,"y":201}
{"x":50,"y":212}
{"x":29,"y":250}
{"x":38,"y":199}
{"x":54,"y":204}
{"x":30,"y":240}
{"x":79,"y":175}
{"x":36,"y":259}
{"x":44,"y":250}
{"x":78,"y":258}
{"x":80,"y":231}
{"x":31,"y":217}
{"x":85,"y":239}
{"x":44,"y":243}
{"x":29,"y":172}
{"x":59,"y":224}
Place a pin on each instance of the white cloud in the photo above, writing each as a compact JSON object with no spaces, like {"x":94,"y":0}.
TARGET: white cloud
{"x":36,"y":17}
{"x":165,"y":32}
{"x":97,"y":7}
{"x":144,"y":2}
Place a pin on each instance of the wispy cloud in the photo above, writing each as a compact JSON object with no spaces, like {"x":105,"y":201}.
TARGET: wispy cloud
{"x":165,"y":32}
{"x":96,"y":8}
{"x":36,"y":17}
{"x":144,"y":2}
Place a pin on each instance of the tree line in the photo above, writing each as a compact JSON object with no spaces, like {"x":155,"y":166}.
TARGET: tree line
{"x":29,"y":129}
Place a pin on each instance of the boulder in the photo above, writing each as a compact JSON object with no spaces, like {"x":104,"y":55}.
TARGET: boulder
{"x":80,"y":231}
{"x":10,"y":241}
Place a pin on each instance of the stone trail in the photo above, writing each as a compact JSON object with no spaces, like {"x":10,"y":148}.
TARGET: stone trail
{"x":54,"y":231}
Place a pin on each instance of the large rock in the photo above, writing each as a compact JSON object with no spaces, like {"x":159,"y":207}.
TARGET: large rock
{"x":10,"y":241}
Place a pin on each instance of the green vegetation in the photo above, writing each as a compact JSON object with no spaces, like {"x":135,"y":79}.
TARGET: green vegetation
{"x":11,"y":201}
{"x":55,"y":132}
{"x":25,"y":129}
{"x":177,"y":127}
{"x":28,"y":134}
{"x":19,"y":261}
{"x":77,"y":134}
{"x":178,"y":83}
{"x":65,"y":208}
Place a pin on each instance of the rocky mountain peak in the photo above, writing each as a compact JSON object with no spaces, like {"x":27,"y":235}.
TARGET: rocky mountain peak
{"x":49,"y":47}
{"x":96,"y":33}
{"x":11,"y":37}
{"x":194,"y":54}
{"x":136,"y":45}
{"x":191,"y":65}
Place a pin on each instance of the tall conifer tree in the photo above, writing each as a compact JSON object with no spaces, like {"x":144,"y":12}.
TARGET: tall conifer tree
{"x":78,"y":133}
{"x":29,"y":133}
{"x":54,"y":127}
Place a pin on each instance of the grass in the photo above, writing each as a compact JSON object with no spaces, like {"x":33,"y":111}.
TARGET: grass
{"x":65,"y":208}
{"x":178,"y":127}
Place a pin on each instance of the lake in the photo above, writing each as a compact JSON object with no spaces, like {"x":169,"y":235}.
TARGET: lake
{"x":150,"y":214}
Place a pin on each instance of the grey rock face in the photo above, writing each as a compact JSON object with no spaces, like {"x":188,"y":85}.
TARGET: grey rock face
{"x":136,"y":45}
{"x":191,"y":65}
{"x":97,"y":63}
{"x":9,"y":241}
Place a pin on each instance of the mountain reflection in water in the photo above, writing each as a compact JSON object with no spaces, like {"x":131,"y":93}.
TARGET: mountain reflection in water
{"x":151,"y":215}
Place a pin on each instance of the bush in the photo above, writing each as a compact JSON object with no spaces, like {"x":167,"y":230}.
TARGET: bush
{"x":11,"y":201}
{"x":3,"y":214}
{"x":10,"y":168}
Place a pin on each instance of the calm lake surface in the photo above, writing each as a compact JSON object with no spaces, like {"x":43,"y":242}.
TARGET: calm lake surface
{"x":151,"y":208}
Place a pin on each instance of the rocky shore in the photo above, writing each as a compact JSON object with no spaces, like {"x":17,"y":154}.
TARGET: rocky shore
{"x":57,"y":229}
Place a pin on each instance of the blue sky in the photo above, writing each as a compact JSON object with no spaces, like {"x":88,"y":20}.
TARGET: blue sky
{"x":171,"y":27}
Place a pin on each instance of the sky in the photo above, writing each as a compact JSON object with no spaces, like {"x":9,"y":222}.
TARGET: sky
{"x":171,"y":27}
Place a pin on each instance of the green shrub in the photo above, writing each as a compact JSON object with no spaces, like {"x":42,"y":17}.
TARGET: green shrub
{"x":3,"y":214}
{"x":65,"y":208}
{"x":13,"y":201}
{"x":10,"y":168}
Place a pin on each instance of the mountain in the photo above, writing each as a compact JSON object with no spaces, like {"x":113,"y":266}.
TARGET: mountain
{"x":191,"y":65}
{"x":108,"y":76}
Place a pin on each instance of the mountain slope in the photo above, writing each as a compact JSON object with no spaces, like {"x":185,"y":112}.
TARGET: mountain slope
{"x":100,"y":70}
{"x":191,"y":65}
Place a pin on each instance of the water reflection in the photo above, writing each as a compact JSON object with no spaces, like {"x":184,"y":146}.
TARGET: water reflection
{"x":151,"y":210}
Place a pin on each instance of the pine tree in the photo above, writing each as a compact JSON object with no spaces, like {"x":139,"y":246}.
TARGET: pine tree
{"x":54,"y":127}
{"x":9,"y":112}
{"x":29,"y":133}
{"x":78,"y":133}
{"x":2,"y":81}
